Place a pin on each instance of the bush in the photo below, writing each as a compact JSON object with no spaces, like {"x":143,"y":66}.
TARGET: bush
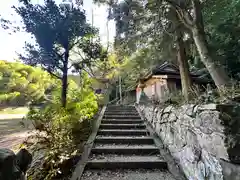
{"x":61,"y":131}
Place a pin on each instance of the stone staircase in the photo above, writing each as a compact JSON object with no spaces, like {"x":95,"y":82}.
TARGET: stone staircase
{"x":124,"y":149}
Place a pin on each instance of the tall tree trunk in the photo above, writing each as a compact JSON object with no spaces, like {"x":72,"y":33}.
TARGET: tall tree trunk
{"x":65,"y":79}
{"x":183,"y":66}
{"x":195,"y":24}
{"x":216,"y":71}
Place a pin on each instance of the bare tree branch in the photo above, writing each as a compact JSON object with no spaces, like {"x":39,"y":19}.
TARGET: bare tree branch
{"x":51,"y":73}
{"x":174,"y":4}
{"x":183,"y":14}
{"x":182,"y":18}
{"x":70,"y":47}
{"x":188,"y":18}
{"x":90,"y":73}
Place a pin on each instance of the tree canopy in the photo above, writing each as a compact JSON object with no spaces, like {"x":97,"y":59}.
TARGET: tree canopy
{"x":146,"y":33}
{"x":20,"y":83}
{"x":222,"y":27}
{"x":58,"y":31}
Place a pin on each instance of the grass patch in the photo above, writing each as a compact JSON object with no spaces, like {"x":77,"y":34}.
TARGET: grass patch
{"x":14,"y":110}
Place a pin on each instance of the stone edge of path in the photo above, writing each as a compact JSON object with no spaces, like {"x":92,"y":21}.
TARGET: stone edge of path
{"x":87,"y":148}
{"x":173,"y":167}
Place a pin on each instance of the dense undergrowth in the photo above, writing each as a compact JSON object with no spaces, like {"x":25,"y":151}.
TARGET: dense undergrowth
{"x":204,"y":96}
{"x":61,"y":132}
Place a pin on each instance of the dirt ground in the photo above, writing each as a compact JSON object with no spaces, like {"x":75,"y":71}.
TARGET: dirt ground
{"x":13,"y":130}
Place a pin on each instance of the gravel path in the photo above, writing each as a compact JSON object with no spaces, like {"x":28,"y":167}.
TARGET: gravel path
{"x":13,"y":140}
{"x":13,"y":130}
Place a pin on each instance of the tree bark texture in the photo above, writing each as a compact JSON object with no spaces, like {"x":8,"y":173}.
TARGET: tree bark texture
{"x":183,"y":66}
{"x":195,"y":24}
{"x":216,"y":71}
{"x":65,"y":79}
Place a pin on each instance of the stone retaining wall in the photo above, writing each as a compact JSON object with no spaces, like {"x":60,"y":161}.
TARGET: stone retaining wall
{"x":198,"y":137}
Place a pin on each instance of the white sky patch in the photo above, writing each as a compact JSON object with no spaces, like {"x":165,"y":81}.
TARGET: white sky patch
{"x":13,"y":43}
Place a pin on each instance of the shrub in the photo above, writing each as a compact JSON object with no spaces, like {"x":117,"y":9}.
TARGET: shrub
{"x":61,"y":131}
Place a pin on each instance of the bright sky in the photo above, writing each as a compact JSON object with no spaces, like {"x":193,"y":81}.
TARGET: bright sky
{"x":14,"y":42}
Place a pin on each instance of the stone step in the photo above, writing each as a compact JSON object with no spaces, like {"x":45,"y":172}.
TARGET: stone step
{"x":126,"y":162}
{"x":125,"y":132}
{"x":125,"y":149}
{"x":128,"y":174}
{"x":121,"y":113}
{"x":121,"y":107}
{"x":123,"y":145}
{"x":124,"y":140}
{"x":121,"y":117}
{"x":122,"y":126}
{"x":120,"y":121}
{"x":121,"y":110}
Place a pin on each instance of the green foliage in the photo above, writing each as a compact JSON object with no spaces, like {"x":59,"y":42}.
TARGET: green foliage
{"x":63,"y":131}
{"x":55,"y":29}
{"x":222,"y":25}
{"x":21,"y":84}
{"x":145,"y":32}
{"x":60,"y":32}
{"x":110,"y":68}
